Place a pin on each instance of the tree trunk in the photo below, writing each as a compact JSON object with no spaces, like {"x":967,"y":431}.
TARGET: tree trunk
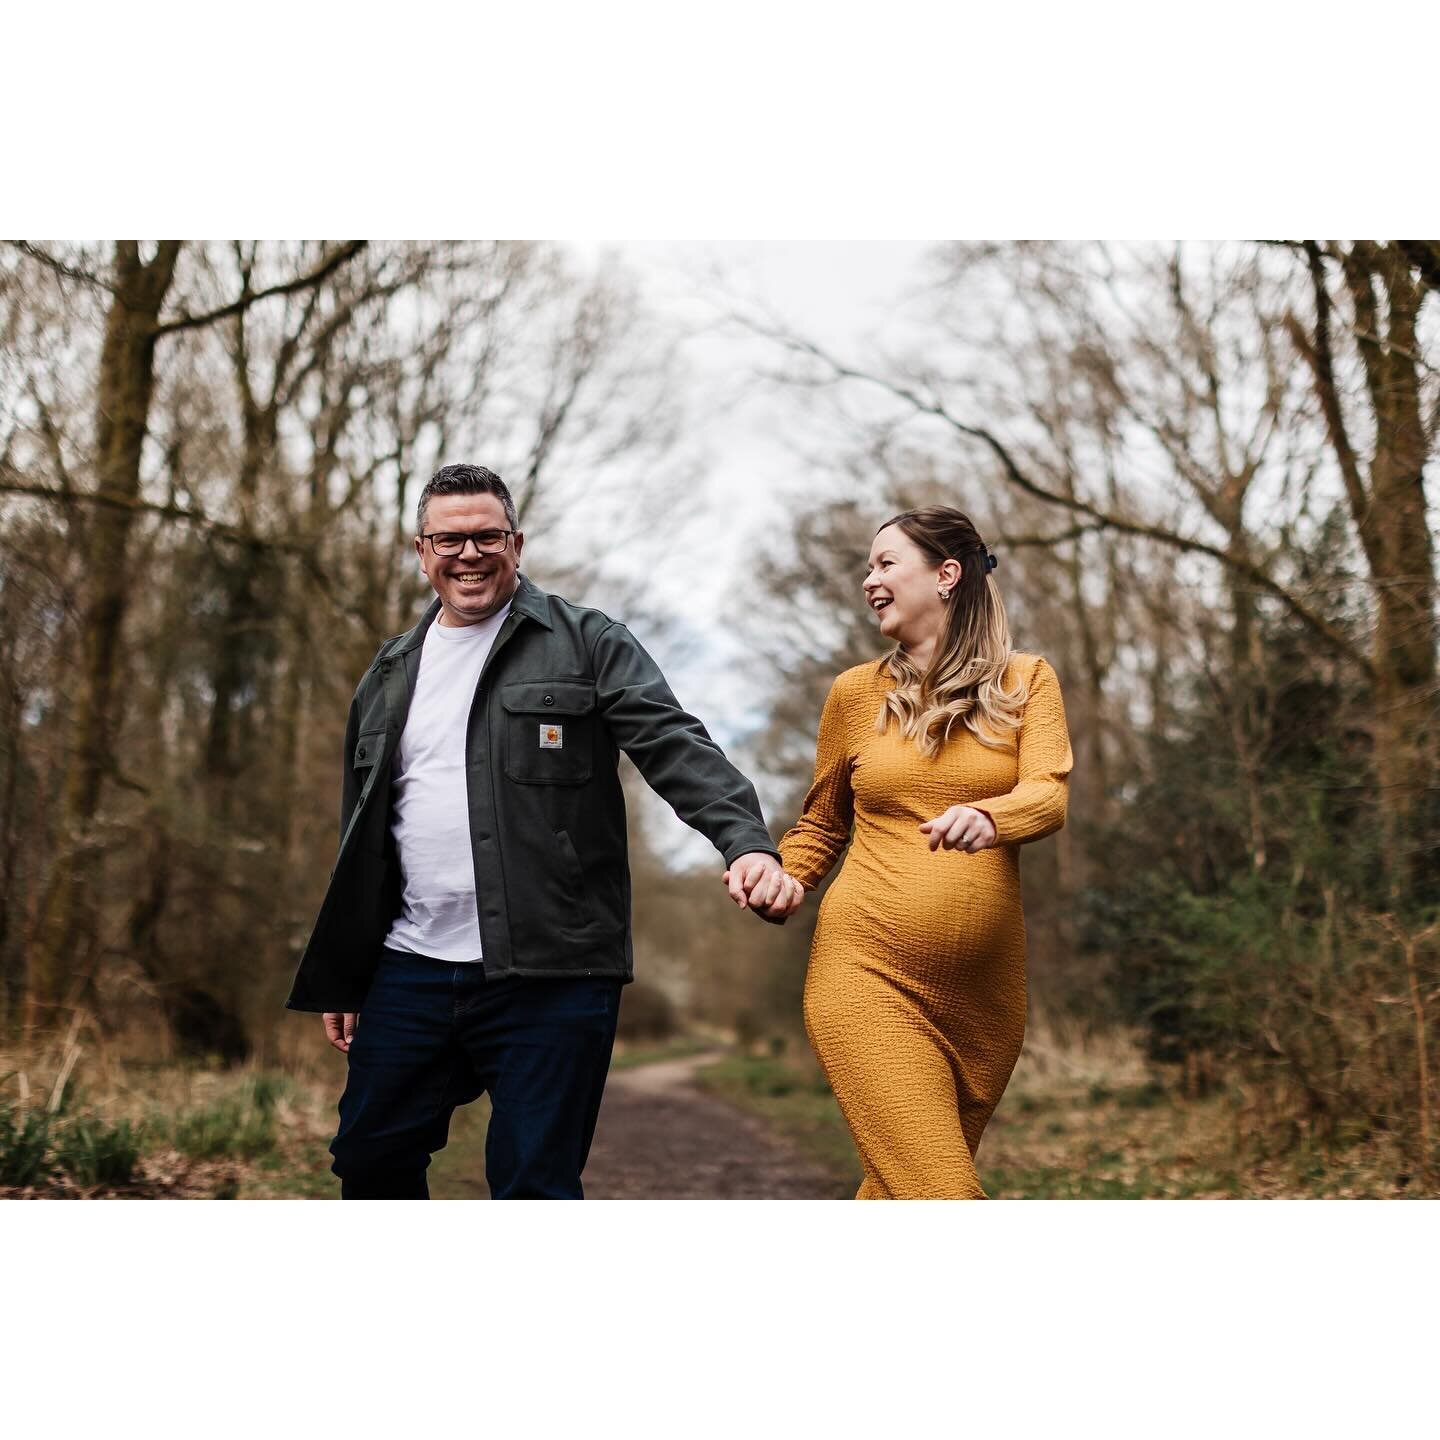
{"x":1405,"y":638}
{"x":1388,"y":507}
{"x":1248,"y":698}
{"x":12,"y":965}
{"x":126,"y":382}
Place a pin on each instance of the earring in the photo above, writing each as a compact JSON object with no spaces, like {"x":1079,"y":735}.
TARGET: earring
{"x":944,"y":594}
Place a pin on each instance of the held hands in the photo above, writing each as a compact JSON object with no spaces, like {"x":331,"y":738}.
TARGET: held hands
{"x":961,"y":827}
{"x":756,"y":882}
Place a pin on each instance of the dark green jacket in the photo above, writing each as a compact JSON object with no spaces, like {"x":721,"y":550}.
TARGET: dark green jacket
{"x":547,"y":825}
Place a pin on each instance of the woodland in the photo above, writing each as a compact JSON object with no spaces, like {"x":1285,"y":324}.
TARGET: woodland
{"x":1209,"y":471}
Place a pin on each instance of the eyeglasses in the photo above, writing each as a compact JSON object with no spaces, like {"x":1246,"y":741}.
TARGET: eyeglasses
{"x":452,"y":542}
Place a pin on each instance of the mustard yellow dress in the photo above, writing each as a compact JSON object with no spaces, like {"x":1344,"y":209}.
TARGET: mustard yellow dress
{"x":915,"y":994}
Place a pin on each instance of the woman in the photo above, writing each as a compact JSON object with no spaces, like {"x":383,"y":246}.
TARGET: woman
{"x":945,"y":756}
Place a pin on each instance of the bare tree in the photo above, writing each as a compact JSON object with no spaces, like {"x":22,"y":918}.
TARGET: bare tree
{"x":1150,"y":399}
{"x":254,"y":545}
{"x":1383,"y":434}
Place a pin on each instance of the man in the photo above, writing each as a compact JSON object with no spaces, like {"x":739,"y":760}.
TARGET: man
{"x":476,"y":929}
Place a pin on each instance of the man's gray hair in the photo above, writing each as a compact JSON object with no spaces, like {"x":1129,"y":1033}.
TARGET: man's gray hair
{"x":465,"y":480}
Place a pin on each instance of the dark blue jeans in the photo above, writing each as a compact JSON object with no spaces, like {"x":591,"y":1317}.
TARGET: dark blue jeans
{"x":433,"y":1035}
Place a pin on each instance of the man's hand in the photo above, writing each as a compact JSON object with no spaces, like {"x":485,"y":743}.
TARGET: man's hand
{"x":961,"y":827}
{"x":756,"y":882}
{"x":754,"y":879}
{"x":339,"y":1027}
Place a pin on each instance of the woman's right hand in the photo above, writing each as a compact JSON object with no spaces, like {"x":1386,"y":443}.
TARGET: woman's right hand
{"x":961,"y":827}
{"x":779,"y":898}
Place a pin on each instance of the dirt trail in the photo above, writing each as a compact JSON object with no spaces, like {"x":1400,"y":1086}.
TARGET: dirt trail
{"x":660,"y":1138}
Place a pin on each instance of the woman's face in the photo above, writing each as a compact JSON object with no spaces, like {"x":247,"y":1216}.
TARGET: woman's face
{"x":902,"y":589}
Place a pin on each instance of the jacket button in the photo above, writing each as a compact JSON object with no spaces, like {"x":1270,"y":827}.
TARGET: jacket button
{"x":549,"y":700}
{"x":361,"y":752}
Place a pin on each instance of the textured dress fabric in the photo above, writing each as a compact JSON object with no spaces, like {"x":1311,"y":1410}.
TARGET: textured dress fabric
{"x":915,"y":993}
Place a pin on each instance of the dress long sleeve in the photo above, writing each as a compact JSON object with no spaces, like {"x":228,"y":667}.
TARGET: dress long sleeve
{"x":915,"y":994}
{"x":814,"y":843}
{"x":1036,"y":806}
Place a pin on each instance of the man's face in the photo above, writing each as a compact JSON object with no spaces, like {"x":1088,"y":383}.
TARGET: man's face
{"x":471,"y":587}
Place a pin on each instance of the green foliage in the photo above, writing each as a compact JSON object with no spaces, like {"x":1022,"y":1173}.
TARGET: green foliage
{"x":229,"y":1127}
{"x":1292,"y":984}
{"x":241,"y":1125}
{"x":794,"y":1098}
{"x":96,"y":1154}
{"x":80,"y":1145}
{"x":24,"y":1147}
{"x":1238,"y":906}
{"x":1087,"y":1182}
{"x":1233,"y":852}
{"x":267,"y":1089}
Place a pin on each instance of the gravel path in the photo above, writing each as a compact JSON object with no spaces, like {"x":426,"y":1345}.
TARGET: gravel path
{"x":659,"y":1138}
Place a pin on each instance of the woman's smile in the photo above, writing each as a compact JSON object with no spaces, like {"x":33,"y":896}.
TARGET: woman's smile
{"x":899,"y":588}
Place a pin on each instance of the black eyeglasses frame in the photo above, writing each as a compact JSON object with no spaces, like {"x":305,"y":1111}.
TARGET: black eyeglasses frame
{"x":467,"y":536}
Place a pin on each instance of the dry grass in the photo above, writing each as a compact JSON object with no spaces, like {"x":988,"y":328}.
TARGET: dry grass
{"x":1084,"y":1117}
{"x":251,"y":1132}
{"x":257,"y":1132}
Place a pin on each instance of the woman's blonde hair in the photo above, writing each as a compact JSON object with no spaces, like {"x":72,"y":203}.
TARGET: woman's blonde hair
{"x":964,"y":682}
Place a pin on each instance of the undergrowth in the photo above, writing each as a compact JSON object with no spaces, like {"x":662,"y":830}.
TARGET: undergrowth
{"x":37,"y":1144}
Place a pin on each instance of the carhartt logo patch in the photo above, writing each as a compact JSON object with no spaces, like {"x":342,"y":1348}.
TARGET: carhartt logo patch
{"x":552,"y":737}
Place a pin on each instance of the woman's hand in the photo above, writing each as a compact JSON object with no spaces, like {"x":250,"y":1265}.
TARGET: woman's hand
{"x":961,"y":827}
{"x":776,"y":896}
{"x":789,"y":896}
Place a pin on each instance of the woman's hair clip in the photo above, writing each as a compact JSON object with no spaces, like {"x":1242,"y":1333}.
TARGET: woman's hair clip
{"x":990,"y":561}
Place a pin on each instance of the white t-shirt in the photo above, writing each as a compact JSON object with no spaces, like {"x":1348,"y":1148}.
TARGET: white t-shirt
{"x":429,"y":799}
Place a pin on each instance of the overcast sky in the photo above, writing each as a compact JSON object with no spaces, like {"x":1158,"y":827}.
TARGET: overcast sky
{"x":749,"y":447}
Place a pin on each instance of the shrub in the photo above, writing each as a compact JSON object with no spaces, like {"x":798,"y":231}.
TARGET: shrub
{"x":240,"y":1126}
{"x":267,"y":1090}
{"x":94,"y":1153}
{"x":24,"y":1147}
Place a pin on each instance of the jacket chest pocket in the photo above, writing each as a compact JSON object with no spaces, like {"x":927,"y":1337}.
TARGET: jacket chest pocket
{"x":369,"y":748}
{"x":367,"y":751}
{"x":549,"y":731}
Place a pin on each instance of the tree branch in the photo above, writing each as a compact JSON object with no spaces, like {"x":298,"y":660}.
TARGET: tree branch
{"x":59,"y":266}
{"x":216,"y":528}
{"x":1017,"y":542}
{"x":1101,"y":520}
{"x":317,"y":276}
{"x":1322,"y":364}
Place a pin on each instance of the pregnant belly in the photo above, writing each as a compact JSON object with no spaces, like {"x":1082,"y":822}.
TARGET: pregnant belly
{"x":946,"y":905}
